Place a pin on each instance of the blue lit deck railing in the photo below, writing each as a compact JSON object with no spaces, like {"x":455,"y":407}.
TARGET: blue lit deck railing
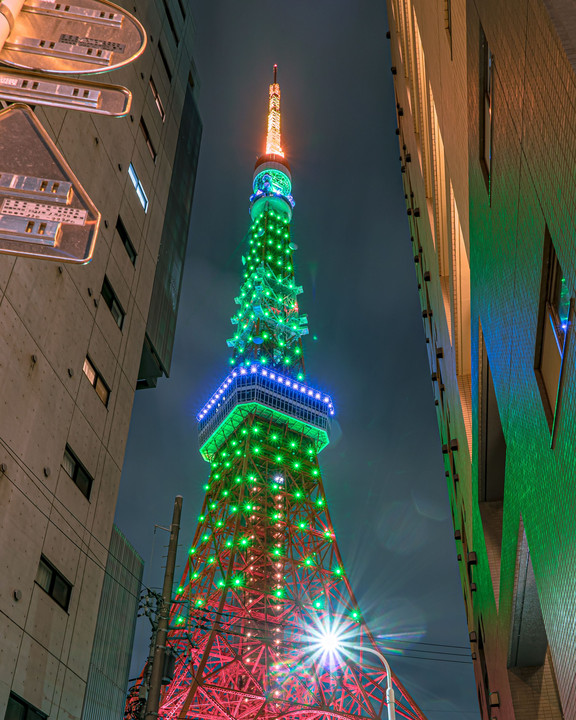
{"x":267,"y":388}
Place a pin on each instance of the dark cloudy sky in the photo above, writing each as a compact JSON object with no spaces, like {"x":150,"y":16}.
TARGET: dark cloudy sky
{"x":383,"y":473}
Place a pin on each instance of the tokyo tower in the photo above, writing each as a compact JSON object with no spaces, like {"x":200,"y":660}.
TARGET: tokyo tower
{"x":264,"y":623}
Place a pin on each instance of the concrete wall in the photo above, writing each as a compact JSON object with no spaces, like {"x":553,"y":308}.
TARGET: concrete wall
{"x":531,"y":528}
{"x":51,"y":317}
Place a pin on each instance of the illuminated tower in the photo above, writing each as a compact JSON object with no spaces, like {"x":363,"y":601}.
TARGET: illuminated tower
{"x":264,"y":580}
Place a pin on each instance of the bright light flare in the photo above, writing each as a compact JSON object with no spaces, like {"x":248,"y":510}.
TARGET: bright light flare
{"x":330,"y":640}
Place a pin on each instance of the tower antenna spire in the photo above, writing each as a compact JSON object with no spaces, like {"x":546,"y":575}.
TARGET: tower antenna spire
{"x":273,"y":138}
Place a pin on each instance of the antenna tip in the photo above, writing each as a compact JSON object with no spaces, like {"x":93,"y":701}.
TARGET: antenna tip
{"x":275,"y":71}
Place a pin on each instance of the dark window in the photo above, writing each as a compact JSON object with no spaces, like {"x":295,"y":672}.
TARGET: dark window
{"x":486,"y":107}
{"x":448,"y":21}
{"x":96,"y":380}
{"x":111,"y":299}
{"x":147,"y":139}
{"x":77,"y":472}
{"x":171,"y":22}
{"x":123,"y":234}
{"x":53,"y":582}
{"x":491,"y":469}
{"x":553,"y":326}
{"x":492,"y":460}
{"x":165,"y":62}
{"x":19,"y":709}
{"x":157,"y":100}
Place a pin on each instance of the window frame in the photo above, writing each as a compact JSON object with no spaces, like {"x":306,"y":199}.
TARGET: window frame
{"x":78,"y":470}
{"x":55,"y":575}
{"x":97,"y":382}
{"x":147,"y":139}
{"x":171,"y":22}
{"x":30,"y":711}
{"x":126,"y":240}
{"x":157,"y":99}
{"x":140,"y":192}
{"x":165,"y":63}
{"x":552,"y":334}
{"x":486,"y":110}
{"x":111,"y":299}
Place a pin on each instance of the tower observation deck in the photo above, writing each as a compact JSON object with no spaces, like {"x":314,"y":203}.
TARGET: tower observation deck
{"x":264,"y":579}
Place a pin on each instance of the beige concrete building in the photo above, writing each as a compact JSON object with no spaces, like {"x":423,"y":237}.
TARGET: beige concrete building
{"x":486,"y":104}
{"x":75,"y":342}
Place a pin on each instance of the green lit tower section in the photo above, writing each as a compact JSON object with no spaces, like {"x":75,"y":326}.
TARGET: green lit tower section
{"x":269,"y":326}
{"x":264,"y":591}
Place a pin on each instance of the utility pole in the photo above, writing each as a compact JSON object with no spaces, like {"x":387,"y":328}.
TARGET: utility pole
{"x":153,"y":701}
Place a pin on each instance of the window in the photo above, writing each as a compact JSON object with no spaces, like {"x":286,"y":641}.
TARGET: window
{"x":448,"y":21}
{"x":53,"y":582}
{"x":171,"y":22}
{"x":486,"y":107}
{"x":491,"y":469}
{"x":77,"y":472}
{"x":19,"y":709}
{"x":147,"y":139}
{"x":123,"y":234}
{"x":111,"y":299}
{"x":165,"y":62}
{"x":157,"y":100}
{"x":553,"y":326}
{"x":138,"y":187}
{"x":96,"y":380}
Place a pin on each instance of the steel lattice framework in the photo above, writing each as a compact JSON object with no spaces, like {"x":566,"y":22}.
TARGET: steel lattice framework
{"x":264,"y":577}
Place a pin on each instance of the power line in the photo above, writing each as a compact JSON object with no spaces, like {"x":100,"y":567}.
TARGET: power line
{"x":420,"y":642}
{"x":436,"y":652}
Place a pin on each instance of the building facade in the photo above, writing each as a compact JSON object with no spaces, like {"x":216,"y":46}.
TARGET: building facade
{"x":485,"y":98}
{"x":111,"y":653}
{"x":73,"y":343}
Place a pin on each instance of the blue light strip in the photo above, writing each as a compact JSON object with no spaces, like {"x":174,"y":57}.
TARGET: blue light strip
{"x":257,"y":369}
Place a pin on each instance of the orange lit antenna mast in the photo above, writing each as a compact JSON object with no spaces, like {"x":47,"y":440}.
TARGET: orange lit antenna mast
{"x":273,"y":139}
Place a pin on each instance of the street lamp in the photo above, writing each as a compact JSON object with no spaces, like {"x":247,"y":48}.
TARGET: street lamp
{"x":332,"y":644}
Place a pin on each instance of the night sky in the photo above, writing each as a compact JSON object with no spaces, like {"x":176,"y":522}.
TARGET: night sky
{"x":383,"y":472}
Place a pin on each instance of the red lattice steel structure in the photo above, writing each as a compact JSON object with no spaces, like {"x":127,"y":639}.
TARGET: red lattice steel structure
{"x":264,"y":580}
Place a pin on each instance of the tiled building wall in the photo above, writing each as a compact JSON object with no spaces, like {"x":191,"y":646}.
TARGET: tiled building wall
{"x":51,"y":317}
{"x":530,"y":188}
